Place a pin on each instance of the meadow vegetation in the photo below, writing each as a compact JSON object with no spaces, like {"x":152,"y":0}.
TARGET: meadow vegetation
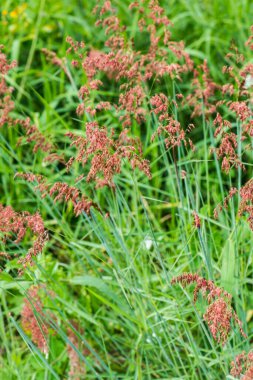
{"x":126,"y":191}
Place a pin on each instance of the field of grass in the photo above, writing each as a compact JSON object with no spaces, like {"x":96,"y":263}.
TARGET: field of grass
{"x":98,"y":301}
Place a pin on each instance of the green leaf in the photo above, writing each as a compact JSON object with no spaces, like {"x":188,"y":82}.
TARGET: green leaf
{"x":228,"y":280}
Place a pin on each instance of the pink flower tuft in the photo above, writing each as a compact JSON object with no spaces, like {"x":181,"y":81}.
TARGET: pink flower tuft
{"x":219,"y":313}
{"x":242,"y":366}
{"x":14,"y":226}
{"x":34,"y":319}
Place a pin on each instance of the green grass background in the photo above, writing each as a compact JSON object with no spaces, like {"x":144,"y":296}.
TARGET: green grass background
{"x":113,"y":275}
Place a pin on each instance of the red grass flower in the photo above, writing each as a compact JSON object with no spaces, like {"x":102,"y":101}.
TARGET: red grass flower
{"x":77,"y":370}
{"x":242,"y":366}
{"x":61,"y":191}
{"x":6,"y":104}
{"x":14,"y":225}
{"x":219,"y":313}
{"x":34,"y":319}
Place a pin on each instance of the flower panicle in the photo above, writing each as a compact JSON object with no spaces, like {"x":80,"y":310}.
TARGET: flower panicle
{"x":106,"y":153}
{"x":33,"y":135}
{"x":242,"y":366}
{"x":34,"y":319}
{"x":61,"y":191}
{"x":175,"y":135}
{"x":219,"y":313}
{"x":6,"y":103}
{"x":77,"y":368}
{"x":14,"y":226}
{"x":245,"y":202}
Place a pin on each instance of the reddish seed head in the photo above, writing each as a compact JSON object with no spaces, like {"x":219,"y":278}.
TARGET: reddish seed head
{"x":196,"y":221}
{"x":219,"y":313}
{"x":171,"y":128}
{"x":242,"y":366}
{"x":14,"y":226}
{"x":246,"y":203}
{"x":105,"y":153}
{"x":61,"y":191}
{"x":183,"y":174}
{"x":203,"y":91}
{"x":77,"y":368}
{"x":33,"y":135}
{"x":6,"y":104}
{"x":34,"y":320}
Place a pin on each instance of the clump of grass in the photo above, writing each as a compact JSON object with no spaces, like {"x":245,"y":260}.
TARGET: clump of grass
{"x":140,"y":143}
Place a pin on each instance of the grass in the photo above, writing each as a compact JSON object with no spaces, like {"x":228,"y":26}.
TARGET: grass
{"x":112,"y":275}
